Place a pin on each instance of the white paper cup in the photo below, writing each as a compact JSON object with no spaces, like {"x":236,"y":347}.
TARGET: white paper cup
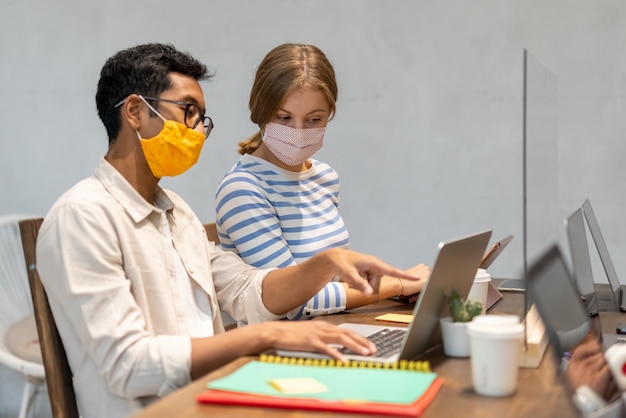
{"x":480,"y":288}
{"x":494,"y":350}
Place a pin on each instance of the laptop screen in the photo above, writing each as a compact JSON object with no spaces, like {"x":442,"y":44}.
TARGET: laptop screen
{"x":569,"y":328}
{"x":603,"y":251}
{"x":581,"y":262}
{"x":550,"y":288}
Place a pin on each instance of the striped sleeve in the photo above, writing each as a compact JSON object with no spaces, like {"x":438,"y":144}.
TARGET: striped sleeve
{"x":331,"y":299}
{"x":248,"y":224}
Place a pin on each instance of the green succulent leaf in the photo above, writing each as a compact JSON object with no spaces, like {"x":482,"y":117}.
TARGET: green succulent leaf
{"x":463,"y":311}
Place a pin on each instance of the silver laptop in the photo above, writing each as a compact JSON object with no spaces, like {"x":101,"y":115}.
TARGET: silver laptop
{"x":454,"y":268}
{"x":605,"y":258}
{"x":567,"y":323}
{"x":581,"y":265}
{"x":564,"y":315}
{"x":558,"y":302}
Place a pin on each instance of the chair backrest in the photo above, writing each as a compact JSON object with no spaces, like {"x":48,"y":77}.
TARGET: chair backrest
{"x":15,"y":300}
{"x":211,"y":232}
{"x":58,"y":372}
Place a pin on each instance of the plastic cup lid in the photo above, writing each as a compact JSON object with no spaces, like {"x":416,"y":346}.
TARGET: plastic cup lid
{"x":482,"y":276}
{"x":493,"y":319}
{"x":496,"y":326}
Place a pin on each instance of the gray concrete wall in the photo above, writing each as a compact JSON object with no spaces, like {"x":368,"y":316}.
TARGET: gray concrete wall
{"x":428,"y":132}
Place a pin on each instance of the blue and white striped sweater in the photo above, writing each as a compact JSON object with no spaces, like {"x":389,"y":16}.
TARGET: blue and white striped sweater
{"x":275,"y":218}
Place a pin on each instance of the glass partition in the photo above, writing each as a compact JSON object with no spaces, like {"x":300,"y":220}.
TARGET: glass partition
{"x":542,"y":223}
{"x":540,"y":192}
{"x":541,"y":219}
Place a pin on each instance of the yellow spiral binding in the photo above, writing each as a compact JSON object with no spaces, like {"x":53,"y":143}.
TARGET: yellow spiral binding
{"x":412,"y":365}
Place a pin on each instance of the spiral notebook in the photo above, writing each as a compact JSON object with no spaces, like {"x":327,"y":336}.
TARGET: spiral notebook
{"x":455,"y":268}
{"x":371,"y":390}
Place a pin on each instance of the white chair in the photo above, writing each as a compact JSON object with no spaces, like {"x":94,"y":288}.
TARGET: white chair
{"x":16,"y":308}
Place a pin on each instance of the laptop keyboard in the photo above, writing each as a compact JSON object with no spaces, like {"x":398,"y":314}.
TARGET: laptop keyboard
{"x":387,"y":341}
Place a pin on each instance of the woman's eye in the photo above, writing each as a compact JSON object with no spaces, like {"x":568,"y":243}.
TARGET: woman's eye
{"x":283,"y":118}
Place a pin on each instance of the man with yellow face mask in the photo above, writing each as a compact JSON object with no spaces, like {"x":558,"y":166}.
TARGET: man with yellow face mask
{"x":135,"y":287}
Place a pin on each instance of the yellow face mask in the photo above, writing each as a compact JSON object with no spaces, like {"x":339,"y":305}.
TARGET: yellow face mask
{"x":172,"y":151}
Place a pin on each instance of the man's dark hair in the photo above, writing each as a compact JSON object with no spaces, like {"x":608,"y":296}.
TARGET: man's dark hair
{"x":144,"y":70}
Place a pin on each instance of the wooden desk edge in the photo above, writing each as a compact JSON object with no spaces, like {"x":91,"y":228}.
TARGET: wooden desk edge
{"x":456,"y":388}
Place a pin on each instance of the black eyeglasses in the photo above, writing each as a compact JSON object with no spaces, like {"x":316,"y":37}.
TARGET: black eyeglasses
{"x":193,"y":114}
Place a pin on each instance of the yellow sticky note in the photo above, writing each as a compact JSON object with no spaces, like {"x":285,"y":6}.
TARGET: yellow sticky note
{"x":298,"y":385}
{"x":393,"y":317}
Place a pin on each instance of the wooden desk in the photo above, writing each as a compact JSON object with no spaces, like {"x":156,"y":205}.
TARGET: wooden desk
{"x":540,"y":392}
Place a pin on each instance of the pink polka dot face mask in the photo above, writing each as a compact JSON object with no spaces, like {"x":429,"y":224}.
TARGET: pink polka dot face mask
{"x":293,"y":146}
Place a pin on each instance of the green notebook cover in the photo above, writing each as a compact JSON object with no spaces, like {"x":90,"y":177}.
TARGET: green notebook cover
{"x":344,"y":384}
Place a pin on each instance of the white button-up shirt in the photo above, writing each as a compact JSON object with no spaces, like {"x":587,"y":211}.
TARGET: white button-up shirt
{"x":107,"y":268}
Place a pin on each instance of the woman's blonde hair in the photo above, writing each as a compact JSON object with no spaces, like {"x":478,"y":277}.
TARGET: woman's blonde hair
{"x":285,"y":69}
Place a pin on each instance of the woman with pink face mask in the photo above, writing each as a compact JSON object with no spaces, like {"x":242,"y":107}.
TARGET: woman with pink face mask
{"x":277,"y":206}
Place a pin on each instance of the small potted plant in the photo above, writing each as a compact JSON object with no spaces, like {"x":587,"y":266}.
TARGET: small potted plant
{"x":454,"y":328}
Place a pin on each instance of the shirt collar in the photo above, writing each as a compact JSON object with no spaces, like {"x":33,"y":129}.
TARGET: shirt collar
{"x":121,"y":190}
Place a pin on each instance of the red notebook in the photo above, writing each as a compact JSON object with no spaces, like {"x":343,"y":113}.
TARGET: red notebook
{"x":246,"y":399}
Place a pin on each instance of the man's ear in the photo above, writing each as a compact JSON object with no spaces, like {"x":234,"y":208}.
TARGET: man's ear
{"x":131,"y":111}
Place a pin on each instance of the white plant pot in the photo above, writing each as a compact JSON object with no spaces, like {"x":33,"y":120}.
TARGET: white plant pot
{"x":455,"y":338}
